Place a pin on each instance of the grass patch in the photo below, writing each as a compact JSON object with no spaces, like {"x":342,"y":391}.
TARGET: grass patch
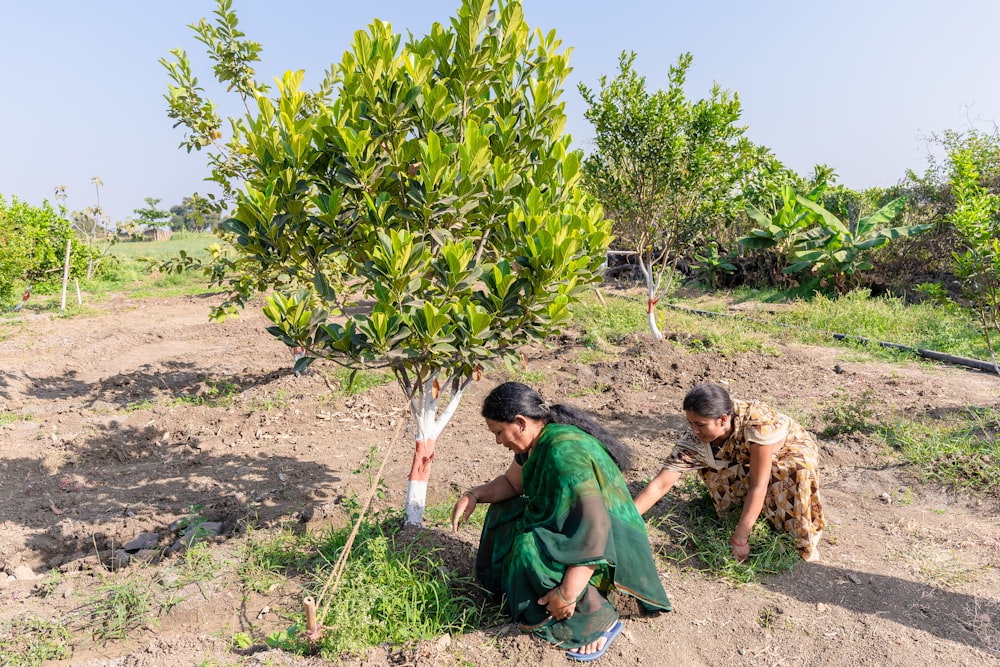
{"x":120,"y":605}
{"x":602,"y":324}
{"x":393,"y":590}
{"x":29,"y":641}
{"x":886,"y":318}
{"x":353,"y":382}
{"x":697,"y":538}
{"x":9,"y":417}
{"x":961,"y":453}
{"x":844,"y":415}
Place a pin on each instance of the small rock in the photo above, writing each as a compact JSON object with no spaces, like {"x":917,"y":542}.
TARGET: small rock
{"x":24,"y":573}
{"x":120,"y":559}
{"x":838,"y":369}
{"x":820,"y":607}
{"x":741,"y":651}
{"x":855,"y":579}
{"x":142,"y":541}
{"x":885,"y":497}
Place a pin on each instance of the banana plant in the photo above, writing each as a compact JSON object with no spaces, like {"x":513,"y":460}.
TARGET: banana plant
{"x":838,"y":254}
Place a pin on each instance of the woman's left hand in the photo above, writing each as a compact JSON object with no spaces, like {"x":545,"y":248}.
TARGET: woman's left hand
{"x":558,"y":609}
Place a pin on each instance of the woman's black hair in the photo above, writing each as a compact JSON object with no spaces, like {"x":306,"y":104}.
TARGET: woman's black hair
{"x":709,"y":400}
{"x":511,"y":399}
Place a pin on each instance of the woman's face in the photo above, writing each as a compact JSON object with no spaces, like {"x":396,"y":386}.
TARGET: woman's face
{"x":515,"y":436}
{"x":708,"y":429}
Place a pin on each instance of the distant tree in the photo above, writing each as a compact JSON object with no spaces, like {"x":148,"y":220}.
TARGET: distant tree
{"x":151,"y":216}
{"x":663,"y":166}
{"x":193,"y":214}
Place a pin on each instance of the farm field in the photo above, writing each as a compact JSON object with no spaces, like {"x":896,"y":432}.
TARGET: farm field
{"x":144,"y":415}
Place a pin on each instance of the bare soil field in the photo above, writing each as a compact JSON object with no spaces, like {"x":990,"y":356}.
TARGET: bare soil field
{"x":105,"y":441}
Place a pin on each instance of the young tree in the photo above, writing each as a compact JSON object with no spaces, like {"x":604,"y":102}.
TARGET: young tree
{"x":662,"y":165}
{"x":977,"y":221}
{"x":151,"y":216}
{"x":428,"y":179}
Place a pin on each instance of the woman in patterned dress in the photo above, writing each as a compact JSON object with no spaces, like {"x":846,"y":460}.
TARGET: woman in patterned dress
{"x":749,"y":454}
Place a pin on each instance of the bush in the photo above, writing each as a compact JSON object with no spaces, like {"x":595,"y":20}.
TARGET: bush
{"x":33,"y":239}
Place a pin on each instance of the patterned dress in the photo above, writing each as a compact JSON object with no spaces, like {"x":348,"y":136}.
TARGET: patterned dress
{"x":792,"y":504}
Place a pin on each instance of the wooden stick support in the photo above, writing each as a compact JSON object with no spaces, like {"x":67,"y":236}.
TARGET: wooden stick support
{"x":312,"y":627}
{"x":69,"y":243}
{"x":600,"y":297}
{"x":79,"y":299}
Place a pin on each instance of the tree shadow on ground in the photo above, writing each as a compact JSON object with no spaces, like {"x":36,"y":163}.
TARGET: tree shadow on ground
{"x":99,"y":490}
{"x":966,"y":619}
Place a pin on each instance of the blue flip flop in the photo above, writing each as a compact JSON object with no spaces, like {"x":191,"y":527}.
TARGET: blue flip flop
{"x":610,"y":635}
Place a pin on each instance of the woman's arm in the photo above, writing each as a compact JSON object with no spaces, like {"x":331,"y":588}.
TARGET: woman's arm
{"x":500,"y":488}
{"x":760,"y":478}
{"x":656,"y":489}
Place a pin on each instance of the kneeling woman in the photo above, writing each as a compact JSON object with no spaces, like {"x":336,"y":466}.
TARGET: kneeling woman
{"x":747,"y":453}
{"x":562,"y":531}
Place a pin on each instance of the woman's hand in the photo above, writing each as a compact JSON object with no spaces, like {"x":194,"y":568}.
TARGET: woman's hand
{"x":740,"y":547}
{"x":557,"y":605}
{"x":463,"y":509}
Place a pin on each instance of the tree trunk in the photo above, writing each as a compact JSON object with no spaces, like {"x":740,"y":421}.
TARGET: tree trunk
{"x":416,"y":488}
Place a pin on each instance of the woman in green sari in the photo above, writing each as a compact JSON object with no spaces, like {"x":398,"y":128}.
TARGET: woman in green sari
{"x":562,"y":531}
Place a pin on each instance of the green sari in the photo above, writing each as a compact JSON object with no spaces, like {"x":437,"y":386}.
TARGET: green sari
{"x":576,"y":510}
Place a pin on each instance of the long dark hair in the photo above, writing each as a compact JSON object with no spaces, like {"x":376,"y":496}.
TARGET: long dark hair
{"x":709,"y":400}
{"x":511,"y":399}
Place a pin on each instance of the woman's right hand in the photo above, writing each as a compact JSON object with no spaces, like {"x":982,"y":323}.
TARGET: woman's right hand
{"x":463,"y":510}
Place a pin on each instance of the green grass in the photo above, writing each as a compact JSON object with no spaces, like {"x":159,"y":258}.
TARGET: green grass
{"x":122,"y":604}
{"x":126,"y":274}
{"x":696,"y":537}
{"x":889,"y":319}
{"x":29,"y":641}
{"x":393,"y":590}
{"x":602,"y":324}
{"x":810,"y":321}
{"x":960,"y":452}
{"x":357,"y":382}
{"x":9,"y":417}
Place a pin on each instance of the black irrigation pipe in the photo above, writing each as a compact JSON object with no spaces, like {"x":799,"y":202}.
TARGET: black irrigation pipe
{"x":984,"y":366}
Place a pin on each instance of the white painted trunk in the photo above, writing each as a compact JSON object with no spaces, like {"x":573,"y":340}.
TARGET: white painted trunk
{"x":416,"y":501}
{"x":653,"y":327}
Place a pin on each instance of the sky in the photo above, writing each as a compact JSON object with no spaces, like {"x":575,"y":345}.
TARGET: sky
{"x":858,"y":85}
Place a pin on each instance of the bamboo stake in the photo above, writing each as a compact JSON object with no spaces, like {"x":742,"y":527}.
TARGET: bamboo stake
{"x":333,"y":581}
{"x":312,"y":628}
{"x":69,"y":242}
{"x":600,"y":297}
{"x":79,"y":299}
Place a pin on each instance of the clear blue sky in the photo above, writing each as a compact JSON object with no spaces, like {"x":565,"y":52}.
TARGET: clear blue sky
{"x":853,"y":84}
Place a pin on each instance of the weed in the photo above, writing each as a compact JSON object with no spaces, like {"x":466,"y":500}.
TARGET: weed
{"x":48,"y":585}
{"x":595,"y":389}
{"x":844,"y":415}
{"x":119,"y":606}
{"x":29,"y":641}
{"x":263,"y":562}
